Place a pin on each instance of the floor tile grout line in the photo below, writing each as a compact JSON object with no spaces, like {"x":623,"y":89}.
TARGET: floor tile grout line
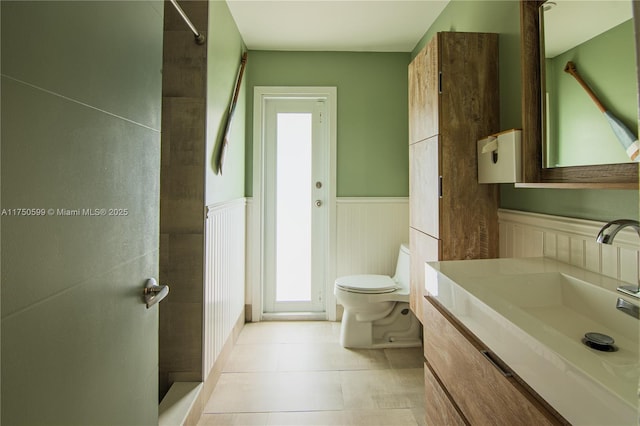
{"x":389,"y":367}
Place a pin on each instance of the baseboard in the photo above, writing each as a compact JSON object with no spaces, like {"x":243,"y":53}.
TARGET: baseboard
{"x":210,"y":382}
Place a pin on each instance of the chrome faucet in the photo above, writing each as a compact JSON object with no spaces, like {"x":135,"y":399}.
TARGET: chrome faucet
{"x":606,"y":236}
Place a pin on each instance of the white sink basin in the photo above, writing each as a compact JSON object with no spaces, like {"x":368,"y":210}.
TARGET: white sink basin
{"x":533,"y":313}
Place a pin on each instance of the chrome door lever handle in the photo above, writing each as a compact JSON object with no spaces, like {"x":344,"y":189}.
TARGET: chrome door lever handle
{"x":154,"y":293}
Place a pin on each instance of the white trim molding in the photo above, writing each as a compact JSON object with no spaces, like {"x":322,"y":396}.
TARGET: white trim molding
{"x":569,"y":240}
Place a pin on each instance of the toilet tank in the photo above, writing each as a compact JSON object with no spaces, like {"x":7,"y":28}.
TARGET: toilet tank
{"x":402,"y":267}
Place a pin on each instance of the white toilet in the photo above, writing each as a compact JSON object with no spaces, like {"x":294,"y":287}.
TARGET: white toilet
{"x":376,"y":309}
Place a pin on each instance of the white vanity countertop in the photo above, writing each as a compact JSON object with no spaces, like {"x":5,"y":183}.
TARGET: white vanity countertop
{"x":533,"y":314}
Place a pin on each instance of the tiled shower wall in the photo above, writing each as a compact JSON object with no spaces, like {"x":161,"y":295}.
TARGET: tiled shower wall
{"x":569,"y":240}
{"x":182,"y":195}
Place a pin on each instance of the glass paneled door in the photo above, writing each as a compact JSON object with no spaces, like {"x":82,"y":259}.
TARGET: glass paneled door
{"x":296,"y":225}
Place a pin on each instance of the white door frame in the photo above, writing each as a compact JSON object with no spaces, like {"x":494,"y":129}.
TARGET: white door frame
{"x":261,"y":94}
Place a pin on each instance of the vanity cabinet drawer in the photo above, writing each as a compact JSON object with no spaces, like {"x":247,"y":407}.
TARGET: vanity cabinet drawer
{"x":482,"y":393}
{"x":438,"y":408}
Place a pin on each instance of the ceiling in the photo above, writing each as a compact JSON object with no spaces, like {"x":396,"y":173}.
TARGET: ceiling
{"x":334,"y":25}
{"x":568,"y":23}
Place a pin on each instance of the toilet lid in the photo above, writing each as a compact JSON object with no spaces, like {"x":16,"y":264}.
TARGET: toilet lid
{"x":367,"y":283}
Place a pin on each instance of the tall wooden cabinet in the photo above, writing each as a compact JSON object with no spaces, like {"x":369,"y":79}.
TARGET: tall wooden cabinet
{"x":453,"y":102}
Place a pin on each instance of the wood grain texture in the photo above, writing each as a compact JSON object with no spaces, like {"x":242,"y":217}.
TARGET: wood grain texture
{"x":603,"y":176}
{"x":424,"y":248}
{"x":462,"y":218}
{"x":480,"y":391}
{"x":531,"y":90}
{"x":613,"y":176}
{"x":423,"y":94}
{"x":469,"y":112}
{"x":439,"y":409}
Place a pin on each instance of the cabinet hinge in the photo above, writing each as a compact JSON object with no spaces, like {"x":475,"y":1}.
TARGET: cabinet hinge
{"x":440,"y":186}
{"x":439,"y":81}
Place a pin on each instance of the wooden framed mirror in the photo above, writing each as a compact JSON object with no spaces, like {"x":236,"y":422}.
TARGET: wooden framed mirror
{"x":608,"y":176}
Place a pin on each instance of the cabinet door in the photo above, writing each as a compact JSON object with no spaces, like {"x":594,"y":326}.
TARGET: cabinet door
{"x":423,"y":249}
{"x":468,"y":112}
{"x":438,"y":408}
{"x":424,"y":186}
{"x":423,"y":93}
{"x":481,"y":392}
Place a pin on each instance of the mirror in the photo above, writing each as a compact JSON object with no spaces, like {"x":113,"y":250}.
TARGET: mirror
{"x":596,"y":40}
{"x":618,"y":175}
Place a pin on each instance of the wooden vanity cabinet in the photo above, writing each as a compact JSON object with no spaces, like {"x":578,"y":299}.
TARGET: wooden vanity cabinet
{"x":453,"y":102}
{"x":465,"y":386}
{"x":439,"y":410}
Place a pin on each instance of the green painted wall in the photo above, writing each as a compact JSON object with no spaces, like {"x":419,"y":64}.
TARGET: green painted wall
{"x":372,"y":147}
{"x":224,"y":49}
{"x":608,"y":64}
{"x":584,"y":203}
{"x":503,"y":17}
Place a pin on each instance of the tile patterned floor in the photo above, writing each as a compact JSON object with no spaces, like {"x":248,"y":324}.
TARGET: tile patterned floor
{"x":296,"y":373}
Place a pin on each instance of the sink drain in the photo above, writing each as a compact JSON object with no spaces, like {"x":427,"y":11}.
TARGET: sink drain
{"x":599,"y":342}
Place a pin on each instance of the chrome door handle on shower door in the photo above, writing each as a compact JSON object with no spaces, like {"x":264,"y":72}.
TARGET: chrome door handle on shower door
{"x":154,"y":293}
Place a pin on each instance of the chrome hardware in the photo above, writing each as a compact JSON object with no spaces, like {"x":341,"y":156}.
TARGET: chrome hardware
{"x":599,"y":338}
{"x":318,"y":184}
{"x":318,"y":203}
{"x":628,"y":308}
{"x":496,"y":363}
{"x":200,"y":39}
{"x":630,"y":290}
{"x":599,"y":342}
{"x":154,"y":293}
{"x":606,"y":236}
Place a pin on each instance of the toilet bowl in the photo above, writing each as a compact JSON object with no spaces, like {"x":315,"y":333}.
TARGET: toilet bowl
{"x":376,"y":309}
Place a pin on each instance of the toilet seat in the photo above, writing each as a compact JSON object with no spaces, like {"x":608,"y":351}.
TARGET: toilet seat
{"x":367,"y":284}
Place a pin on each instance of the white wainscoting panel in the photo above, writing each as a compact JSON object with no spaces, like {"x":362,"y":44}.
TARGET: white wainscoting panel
{"x":369,"y":234}
{"x":224,"y":275}
{"x":569,"y":240}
